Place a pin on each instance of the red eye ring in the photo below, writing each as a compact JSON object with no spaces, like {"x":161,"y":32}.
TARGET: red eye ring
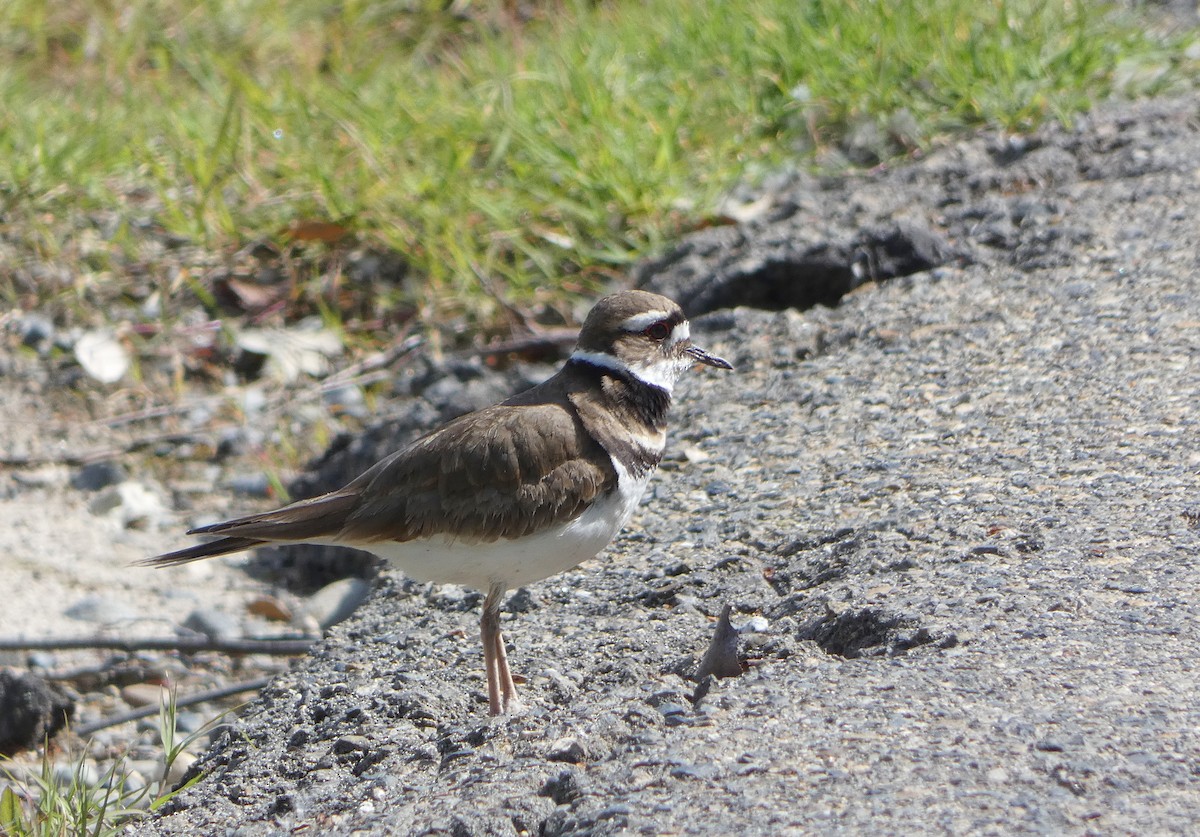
{"x":658,"y":331}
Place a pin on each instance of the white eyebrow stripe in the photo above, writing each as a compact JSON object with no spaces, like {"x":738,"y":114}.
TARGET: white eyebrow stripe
{"x":643,"y":321}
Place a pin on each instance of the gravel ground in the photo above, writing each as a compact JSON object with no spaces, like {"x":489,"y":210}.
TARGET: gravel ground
{"x":954,"y":518}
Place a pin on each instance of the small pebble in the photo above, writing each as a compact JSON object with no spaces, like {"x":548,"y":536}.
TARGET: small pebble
{"x":97,"y":475}
{"x":101,"y":610}
{"x":133,"y":782}
{"x":346,"y":400}
{"x":696,"y":771}
{"x":249,"y":485}
{"x":144,"y":694}
{"x":254,"y":400}
{"x":41,"y":659}
{"x":36,"y":331}
{"x":755,"y":625}
{"x":335,"y":602}
{"x":145,"y":767}
{"x":270,"y":607}
{"x":614,"y":811}
{"x":231,"y":442}
{"x":130,"y":504}
{"x":183,"y":761}
{"x":84,"y":773}
{"x":190,"y":722}
{"x":566,"y":749}
{"x":351,"y":744}
{"x":103,"y":356}
{"x":214,"y":624}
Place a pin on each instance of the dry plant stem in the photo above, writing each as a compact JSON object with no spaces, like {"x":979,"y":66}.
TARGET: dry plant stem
{"x":87,"y":457}
{"x":160,"y":411}
{"x":516,"y":317}
{"x":185,"y":645}
{"x":557,"y":339}
{"x":397,"y":350}
{"x":145,"y":711}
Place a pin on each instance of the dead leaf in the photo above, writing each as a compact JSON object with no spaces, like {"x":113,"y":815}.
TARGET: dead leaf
{"x":250,"y":296}
{"x":328,"y":232}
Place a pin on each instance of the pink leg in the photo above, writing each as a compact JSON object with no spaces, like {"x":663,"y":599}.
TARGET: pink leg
{"x":502,"y":692}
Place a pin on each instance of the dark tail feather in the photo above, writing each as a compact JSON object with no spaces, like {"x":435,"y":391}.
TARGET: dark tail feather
{"x":221,"y":546}
{"x":320,"y":518}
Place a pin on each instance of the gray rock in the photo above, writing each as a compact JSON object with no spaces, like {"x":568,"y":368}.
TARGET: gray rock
{"x":178,"y":768}
{"x":42,"y":659}
{"x":336,"y":602}
{"x":101,"y":610}
{"x":567,"y":749}
{"x":348,"y":399}
{"x":133,"y":784}
{"x":145,"y":694}
{"x":721,"y":658}
{"x":97,"y":475}
{"x":83,"y":774}
{"x":190,"y":722}
{"x":130,"y":504}
{"x":214,"y":624}
{"x":249,"y":485}
{"x":30,"y":711}
{"x":36,"y":330}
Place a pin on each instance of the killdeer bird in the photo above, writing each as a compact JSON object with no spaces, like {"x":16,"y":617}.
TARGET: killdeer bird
{"x":513,"y":493}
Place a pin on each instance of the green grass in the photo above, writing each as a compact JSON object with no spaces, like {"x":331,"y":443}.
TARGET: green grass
{"x":545,"y":154}
{"x":43,"y":804}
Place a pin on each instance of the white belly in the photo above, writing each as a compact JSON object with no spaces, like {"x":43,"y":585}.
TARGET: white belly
{"x":516,"y":563}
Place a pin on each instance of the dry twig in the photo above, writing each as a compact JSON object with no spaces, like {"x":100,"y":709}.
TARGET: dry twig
{"x":145,"y":711}
{"x":186,"y":645}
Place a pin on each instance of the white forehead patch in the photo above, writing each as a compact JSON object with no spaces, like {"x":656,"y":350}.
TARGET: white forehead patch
{"x":641,"y":322}
{"x":681,"y":332}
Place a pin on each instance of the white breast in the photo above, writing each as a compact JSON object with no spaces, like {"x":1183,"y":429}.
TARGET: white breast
{"x":524,"y":560}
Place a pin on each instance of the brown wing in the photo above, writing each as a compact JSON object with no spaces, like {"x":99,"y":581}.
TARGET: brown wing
{"x":503,"y":472}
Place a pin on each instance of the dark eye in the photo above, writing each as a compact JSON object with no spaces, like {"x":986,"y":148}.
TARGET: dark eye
{"x":658,"y":331}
